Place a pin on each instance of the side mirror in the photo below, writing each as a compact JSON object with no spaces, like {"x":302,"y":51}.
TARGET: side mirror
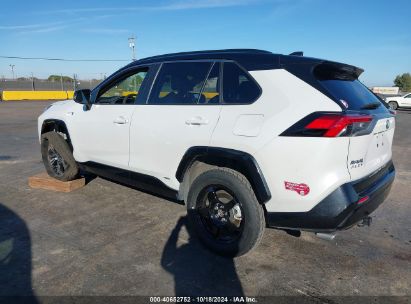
{"x":83,"y":97}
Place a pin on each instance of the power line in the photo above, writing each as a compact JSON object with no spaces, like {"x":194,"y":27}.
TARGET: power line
{"x":61,"y":59}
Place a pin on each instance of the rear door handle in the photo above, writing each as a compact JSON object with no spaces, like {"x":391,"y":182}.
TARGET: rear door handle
{"x":120,"y":120}
{"x":196,"y":121}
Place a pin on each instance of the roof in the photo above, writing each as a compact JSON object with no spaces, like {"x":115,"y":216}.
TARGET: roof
{"x":250,"y":59}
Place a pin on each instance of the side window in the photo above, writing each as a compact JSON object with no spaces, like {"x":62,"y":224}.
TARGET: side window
{"x":408,"y":96}
{"x":180,"y":83}
{"x":211,"y":90}
{"x":238,"y":86}
{"x":125,"y":91}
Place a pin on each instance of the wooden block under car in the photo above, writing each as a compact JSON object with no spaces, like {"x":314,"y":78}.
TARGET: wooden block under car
{"x":44,"y":181}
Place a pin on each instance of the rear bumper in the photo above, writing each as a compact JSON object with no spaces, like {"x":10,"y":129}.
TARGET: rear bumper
{"x":341,"y":209}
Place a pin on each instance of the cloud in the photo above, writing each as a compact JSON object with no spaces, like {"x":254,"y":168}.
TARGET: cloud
{"x":28,"y":26}
{"x":186,"y":5}
{"x":45,"y":29}
{"x":107,"y":12}
{"x":105,"y":31}
{"x":176,"y":5}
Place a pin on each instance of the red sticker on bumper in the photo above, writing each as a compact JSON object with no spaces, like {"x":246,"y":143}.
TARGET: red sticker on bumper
{"x":301,"y":189}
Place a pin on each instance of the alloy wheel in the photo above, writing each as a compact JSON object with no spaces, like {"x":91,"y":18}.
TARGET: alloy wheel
{"x":220,"y":213}
{"x":57,"y":163}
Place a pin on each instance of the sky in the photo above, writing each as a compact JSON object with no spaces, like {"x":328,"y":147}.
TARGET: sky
{"x":374,"y":35}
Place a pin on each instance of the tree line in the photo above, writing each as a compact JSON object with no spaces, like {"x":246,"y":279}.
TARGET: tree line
{"x":403,"y":82}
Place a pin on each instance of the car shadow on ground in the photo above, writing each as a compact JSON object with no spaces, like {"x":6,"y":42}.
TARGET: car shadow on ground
{"x":196,"y":270}
{"x":169,"y":197}
{"x":15,"y":257}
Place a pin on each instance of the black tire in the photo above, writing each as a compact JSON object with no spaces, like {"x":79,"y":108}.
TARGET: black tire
{"x":57,"y":157}
{"x":393,"y":105}
{"x":244,"y":232}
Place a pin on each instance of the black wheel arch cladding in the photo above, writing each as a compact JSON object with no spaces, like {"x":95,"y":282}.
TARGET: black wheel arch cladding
{"x":234,"y":159}
{"x":58,"y":126}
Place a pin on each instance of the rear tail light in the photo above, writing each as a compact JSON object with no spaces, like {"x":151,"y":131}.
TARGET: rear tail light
{"x":331,"y":125}
{"x":363,"y":199}
{"x":340,"y":125}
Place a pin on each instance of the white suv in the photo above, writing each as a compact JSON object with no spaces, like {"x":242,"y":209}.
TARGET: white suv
{"x":399,"y":101}
{"x":246,"y":138}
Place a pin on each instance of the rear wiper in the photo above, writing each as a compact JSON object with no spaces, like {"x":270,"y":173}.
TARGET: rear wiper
{"x":371,"y":106}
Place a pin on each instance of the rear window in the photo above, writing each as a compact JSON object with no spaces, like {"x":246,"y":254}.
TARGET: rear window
{"x":238,"y":86}
{"x":341,"y":82}
{"x":351,"y":93}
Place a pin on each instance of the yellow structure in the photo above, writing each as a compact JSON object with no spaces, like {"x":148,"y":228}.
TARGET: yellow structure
{"x":60,"y":95}
{"x":36,"y":95}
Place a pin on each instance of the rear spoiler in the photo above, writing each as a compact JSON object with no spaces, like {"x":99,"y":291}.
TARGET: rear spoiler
{"x":320,"y":68}
{"x":334,"y":70}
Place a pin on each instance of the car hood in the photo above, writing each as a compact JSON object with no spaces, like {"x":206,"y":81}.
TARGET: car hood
{"x":61,"y":102}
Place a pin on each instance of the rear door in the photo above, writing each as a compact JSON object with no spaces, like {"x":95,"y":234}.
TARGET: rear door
{"x":371,"y":143}
{"x":370,"y":152}
{"x":181,"y":112}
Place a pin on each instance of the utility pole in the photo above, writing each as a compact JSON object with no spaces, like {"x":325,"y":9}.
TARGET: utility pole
{"x":132,"y":45}
{"x":32,"y":82}
{"x":74,"y":82}
{"x":61,"y":81}
{"x":12,"y":69}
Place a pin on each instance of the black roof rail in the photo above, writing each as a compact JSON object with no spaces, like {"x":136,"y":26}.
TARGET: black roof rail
{"x":210,"y":52}
{"x":250,"y":59}
{"x":298,"y":53}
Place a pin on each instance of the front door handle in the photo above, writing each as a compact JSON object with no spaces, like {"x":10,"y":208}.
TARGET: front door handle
{"x":196,"y":121}
{"x":120,"y":120}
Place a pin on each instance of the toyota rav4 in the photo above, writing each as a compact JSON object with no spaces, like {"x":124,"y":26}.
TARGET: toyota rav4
{"x":247,"y":139}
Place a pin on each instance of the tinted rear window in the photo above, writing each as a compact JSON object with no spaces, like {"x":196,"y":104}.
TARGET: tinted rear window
{"x":238,"y":86}
{"x":350,"y":92}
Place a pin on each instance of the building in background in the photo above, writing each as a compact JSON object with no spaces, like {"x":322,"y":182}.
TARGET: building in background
{"x":386,"y":90}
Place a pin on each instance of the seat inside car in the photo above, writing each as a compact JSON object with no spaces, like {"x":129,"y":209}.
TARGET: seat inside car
{"x":215,"y":99}
{"x":181,"y":94}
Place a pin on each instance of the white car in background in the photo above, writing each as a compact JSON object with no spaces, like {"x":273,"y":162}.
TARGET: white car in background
{"x":399,"y":101}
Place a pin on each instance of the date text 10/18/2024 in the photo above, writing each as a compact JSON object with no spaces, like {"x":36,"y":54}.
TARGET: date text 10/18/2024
{"x":203,"y":300}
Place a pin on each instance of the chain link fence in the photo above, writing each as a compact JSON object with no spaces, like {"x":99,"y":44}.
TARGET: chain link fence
{"x":46,"y":85}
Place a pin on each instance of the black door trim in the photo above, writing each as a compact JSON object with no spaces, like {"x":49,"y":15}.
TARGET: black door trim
{"x":131,"y":179}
